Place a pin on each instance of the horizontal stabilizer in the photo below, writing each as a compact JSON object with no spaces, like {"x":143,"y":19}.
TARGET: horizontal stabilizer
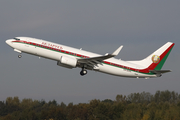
{"x":160,"y":71}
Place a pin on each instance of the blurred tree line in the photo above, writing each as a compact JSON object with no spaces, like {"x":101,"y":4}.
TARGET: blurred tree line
{"x":163,"y":105}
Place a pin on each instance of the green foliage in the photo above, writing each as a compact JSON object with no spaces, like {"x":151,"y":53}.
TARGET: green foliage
{"x":163,"y":105}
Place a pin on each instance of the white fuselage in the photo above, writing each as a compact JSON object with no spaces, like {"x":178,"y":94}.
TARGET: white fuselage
{"x":55,"y":51}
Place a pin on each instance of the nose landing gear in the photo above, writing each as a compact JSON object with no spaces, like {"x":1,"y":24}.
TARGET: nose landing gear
{"x":19,"y":56}
{"x":83,"y":72}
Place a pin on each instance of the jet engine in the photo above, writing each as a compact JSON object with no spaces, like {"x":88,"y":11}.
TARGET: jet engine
{"x":68,"y":62}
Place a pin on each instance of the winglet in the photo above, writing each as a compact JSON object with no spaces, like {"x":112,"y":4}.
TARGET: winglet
{"x":115,"y":53}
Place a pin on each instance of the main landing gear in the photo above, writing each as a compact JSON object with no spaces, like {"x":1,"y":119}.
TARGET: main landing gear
{"x":83,"y":72}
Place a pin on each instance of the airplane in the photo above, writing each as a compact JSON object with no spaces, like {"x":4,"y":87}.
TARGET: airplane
{"x":69,"y":57}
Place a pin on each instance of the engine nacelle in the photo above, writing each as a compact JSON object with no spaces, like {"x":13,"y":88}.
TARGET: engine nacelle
{"x":68,"y":62}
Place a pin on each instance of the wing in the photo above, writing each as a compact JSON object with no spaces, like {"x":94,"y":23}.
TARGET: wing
{"x":94,"y":61}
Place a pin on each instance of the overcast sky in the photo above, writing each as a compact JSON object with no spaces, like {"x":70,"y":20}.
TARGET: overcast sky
{"x":99,"y":26}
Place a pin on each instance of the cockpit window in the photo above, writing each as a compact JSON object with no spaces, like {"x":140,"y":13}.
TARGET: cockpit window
{"x":16,"y":38}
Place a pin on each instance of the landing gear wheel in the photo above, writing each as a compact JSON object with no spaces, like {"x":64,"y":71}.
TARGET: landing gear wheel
{"x":19,"y":56}
{"x":83,"y":72}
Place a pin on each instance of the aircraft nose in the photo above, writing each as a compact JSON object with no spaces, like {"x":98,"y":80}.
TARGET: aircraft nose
{"x":8,"y":42}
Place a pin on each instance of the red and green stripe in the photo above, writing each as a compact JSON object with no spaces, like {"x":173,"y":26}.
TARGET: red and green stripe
{"x":153,"y":66}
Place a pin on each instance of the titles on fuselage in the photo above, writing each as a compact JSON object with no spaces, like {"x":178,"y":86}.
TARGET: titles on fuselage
{"x":52,"y":45}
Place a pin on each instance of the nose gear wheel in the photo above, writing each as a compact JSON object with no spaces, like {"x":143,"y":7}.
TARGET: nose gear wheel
{"x":19,"y":56}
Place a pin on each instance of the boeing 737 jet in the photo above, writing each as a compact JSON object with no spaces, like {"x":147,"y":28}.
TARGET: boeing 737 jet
{"x":71,"y":58}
